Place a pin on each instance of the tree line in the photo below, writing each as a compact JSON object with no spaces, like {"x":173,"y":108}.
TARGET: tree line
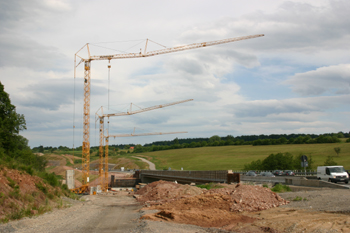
{"x":255,"y":140}
{"x":279,"y":161}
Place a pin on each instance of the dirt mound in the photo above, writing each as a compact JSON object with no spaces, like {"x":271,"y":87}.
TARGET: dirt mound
{"x":207,"y":208}
{"x":164,"y":191}
{"x":249,"y":198}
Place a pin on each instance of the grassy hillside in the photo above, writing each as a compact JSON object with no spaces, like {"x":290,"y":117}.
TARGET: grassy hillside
{"x":234,"y":157}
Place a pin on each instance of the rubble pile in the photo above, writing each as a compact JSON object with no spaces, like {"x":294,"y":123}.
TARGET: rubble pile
{"x":222,"y":207}
{"x":163,"y":191}
{"x":234,"y":198}
{"x":250,"y":198}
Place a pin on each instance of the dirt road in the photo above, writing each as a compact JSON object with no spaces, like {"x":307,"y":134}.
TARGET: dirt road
{"x":97,"y":213}
{"x":152,"y":166}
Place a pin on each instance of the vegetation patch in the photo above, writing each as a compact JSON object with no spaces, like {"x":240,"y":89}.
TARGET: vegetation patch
{"x":210,"y":186}
{"x":297,"y":198}
{"x":279,"y":188}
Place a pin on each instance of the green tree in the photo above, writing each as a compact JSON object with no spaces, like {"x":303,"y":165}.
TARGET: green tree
{"x":10,"y":122}
{"x":330,"y":161}
{"x":297,"y":162}
{"x":214,"y":138}
{"x":337,"y":150}
{"x":176,"y":141}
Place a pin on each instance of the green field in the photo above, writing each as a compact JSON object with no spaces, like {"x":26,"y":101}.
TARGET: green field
{"x":234,"y":157}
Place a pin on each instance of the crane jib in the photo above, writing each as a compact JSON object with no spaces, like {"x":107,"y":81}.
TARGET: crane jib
{"x":173,"y":49}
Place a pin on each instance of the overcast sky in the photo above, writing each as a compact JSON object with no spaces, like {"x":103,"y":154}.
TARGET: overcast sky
{"x":295,"y":79}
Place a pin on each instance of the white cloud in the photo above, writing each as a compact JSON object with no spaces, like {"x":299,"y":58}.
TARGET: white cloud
{"x":324,"y":80}
{"x":305,"y":43}
{"x":264,"y":108}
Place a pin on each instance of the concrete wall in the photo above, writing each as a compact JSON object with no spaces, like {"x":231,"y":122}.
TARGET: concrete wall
{"x":70,"y":179}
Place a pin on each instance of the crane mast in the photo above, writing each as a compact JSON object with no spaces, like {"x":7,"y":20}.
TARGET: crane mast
{"x":104,"y":181}
{"x":87,"y":78}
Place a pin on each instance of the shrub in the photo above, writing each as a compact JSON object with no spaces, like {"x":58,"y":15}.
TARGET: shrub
{"x":297,"y":198}
{"x":12,"y":183}
{"x":4,"y":220}
{"x":41,"y":187}
{"x":279,"y":188}
{"x":15,"y":194}
{"x":210,"y":186}
{"x":2,"y":198}
{"x":50,"y":196}
{"x":16,"y":214}
{"x":51,"y":178}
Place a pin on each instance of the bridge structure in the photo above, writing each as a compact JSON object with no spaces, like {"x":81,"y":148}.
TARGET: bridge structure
{"x":187,"y":177}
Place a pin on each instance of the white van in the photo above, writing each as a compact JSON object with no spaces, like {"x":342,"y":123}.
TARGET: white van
{"x":333,"y":174}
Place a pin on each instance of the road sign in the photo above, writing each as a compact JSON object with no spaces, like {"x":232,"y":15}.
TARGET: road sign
{"x":303,"y":158}
{"x":304,"y":164}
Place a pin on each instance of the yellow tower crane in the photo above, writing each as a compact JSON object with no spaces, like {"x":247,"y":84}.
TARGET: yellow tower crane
{"x":87,"y":78}
{"x":100,"y":116}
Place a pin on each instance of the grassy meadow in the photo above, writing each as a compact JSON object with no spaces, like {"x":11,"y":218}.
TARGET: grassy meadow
{"x":235,"y":157}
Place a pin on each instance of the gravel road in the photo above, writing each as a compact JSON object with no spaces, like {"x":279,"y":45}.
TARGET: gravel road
{"x":98,"y":213}
{"x":151,"y":165}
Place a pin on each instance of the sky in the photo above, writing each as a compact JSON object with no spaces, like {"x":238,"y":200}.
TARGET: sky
{"x":295,"y":79}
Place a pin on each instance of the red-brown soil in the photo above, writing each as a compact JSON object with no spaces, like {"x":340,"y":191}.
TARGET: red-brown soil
{"x":26,"y":194}
{"x":214,"y":208}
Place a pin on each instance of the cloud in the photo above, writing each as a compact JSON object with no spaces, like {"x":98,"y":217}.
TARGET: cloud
{"x":324,"y":80}
{"x":265,"y":108}
{"x":295,"y":26}
{"x":19,"y":46}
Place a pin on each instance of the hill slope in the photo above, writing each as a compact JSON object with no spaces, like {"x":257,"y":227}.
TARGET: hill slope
{"x":235,"y":157}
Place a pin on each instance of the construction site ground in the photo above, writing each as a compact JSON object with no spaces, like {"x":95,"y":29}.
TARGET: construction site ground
{"x":169,"y":207}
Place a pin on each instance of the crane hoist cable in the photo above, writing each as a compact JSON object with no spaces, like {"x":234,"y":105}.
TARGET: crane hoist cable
{"x":109,"y":78}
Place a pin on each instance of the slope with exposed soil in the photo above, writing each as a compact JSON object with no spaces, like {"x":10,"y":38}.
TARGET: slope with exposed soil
{"x":23,"y":195}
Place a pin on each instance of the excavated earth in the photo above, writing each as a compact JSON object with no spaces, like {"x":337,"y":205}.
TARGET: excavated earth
{"x":169,"y":207}
{"x":245,"y":208}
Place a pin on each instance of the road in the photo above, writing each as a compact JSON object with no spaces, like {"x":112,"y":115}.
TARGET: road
{"x":96,"y":213}
{"x":103,"y":213}
{"x":152,"y":166}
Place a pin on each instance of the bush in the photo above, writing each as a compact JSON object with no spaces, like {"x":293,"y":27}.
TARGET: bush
{"x":12,"y":183}
{"x":50,"y":196}
{"x":210,"y":186}
{"x":15,"y":194}
{"x":279,"y":188}
{"x":41,"y":187}
{"x":51,"y":178}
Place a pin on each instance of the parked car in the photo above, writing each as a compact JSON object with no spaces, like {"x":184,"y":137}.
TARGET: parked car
{"x":250,"y":173}
{"x":288,"y":173}
{"x":268,"y":174}
{"x":278,"y":173}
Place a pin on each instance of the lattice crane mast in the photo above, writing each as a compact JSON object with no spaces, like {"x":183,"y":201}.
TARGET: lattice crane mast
{"x":101,"y":117}
{"x":87,"y":78}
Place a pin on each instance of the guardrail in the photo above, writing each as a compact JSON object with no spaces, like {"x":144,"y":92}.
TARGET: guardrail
{"x":297,"y":172}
